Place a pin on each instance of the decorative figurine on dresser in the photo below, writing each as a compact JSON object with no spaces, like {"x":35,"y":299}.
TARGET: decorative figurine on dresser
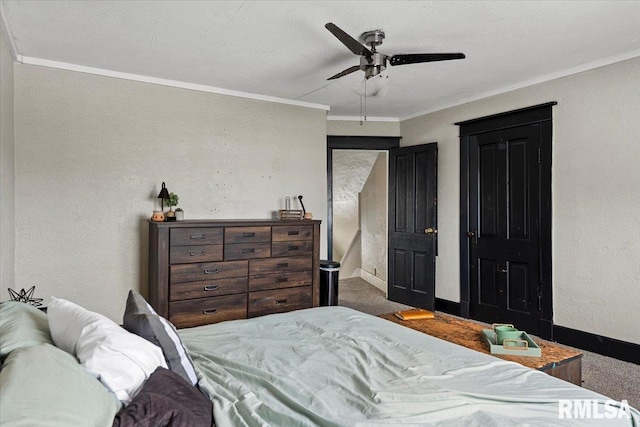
{"x":208,"y":271}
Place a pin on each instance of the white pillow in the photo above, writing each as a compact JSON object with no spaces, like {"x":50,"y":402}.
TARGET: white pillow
{"x":121,"y":360}
{"x":66,"y":322}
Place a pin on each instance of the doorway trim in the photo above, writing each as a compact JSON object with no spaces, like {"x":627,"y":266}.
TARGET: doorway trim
{"x":541,"y":114}
{"x":336,"y":142}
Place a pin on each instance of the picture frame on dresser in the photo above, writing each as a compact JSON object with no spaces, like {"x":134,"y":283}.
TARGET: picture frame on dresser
{"x":209,"y":271}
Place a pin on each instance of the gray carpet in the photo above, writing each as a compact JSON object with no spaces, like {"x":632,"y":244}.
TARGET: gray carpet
{"x":611,"y":377}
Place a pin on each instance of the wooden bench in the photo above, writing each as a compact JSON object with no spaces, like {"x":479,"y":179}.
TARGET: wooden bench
{"x":558,"y":361}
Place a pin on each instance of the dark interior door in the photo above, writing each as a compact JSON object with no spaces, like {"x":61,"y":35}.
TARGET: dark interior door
{"x":504,"y":202}
{"x":413,"y":225}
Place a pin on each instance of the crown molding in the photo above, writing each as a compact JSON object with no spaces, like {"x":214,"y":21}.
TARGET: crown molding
{"x":360,"y":119}
{"x":166,"y":82}
{"x":7,"y":33}
{"x":542,"y":79}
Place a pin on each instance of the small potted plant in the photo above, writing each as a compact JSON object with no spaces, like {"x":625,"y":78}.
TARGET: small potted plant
{"x":172,"y":201}
{"x":179,"y":214}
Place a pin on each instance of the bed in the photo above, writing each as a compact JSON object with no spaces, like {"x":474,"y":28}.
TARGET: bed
{"x":325,"y":366}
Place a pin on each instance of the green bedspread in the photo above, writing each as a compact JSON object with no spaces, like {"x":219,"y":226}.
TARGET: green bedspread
{"x":332,"y":366}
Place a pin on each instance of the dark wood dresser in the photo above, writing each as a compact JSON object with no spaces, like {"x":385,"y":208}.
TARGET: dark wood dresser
{"x":208,"y":271}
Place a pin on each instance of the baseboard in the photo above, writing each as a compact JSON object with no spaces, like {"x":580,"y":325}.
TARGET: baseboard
{"x":449,"y":307}
{"x":621,"y":350}
{"x":371,"y":279}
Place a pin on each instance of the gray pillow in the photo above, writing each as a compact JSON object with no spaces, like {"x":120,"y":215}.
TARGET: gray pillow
{"x":22,"y":325}
{"x":42,"y":385}
{"x":141,"y":319}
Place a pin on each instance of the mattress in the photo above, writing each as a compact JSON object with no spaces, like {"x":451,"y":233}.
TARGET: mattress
{"x":333,"y":366}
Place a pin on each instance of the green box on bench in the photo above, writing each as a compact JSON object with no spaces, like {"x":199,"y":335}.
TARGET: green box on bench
{"x":517,"y":349}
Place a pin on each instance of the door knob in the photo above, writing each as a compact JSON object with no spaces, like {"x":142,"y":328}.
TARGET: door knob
{"x":430,"y":231}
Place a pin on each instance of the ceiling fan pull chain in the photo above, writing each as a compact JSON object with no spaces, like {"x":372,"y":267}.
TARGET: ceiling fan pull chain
{"x":365,"y":99}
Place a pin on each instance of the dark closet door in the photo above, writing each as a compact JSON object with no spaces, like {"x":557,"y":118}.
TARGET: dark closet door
{"x":504,"y":192}
{"x":412,"y":225}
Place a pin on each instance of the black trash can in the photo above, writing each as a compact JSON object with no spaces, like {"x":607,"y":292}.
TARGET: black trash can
{"x":329,"y":272}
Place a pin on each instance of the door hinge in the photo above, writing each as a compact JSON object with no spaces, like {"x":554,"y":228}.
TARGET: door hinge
{"x":539,"y":302}
{"x":539,"y":155}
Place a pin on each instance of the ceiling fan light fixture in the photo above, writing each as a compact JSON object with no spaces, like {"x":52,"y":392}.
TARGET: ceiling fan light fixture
{"x":376,"y":86}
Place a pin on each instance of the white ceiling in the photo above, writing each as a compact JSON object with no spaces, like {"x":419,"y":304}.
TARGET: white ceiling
{"x":281,"y":48}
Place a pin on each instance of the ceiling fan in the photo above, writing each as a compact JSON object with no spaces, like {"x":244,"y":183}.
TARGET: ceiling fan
{"x":373,"y":62}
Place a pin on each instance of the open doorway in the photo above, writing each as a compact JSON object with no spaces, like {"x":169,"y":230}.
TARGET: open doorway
{"x":357,"y":217}
{"x":360,"y":214}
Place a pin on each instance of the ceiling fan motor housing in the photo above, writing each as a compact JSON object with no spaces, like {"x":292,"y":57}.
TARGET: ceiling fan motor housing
{"x":373,"y":65}
{"x":377,"y":62}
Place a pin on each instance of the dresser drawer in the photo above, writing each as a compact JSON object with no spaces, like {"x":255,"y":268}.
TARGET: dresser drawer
{"x":282,"y":249}
{"x":202,"y":253}
{"x":278,"y":265}
{"x":247,"y":234}
{"x":207,"y":288}
{"x":207,"y":271}
{"x":287,"y":233}
{"x":196,"y":312}
{"x":279,"y":301}
{"x":195,"y":236}
{"x":278,"y":281}
{"x":247,"y":250}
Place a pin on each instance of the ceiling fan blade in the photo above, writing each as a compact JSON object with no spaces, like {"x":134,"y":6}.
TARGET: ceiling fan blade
{"x":414,"y":58}
{"x":352,"y":44}
{"x":345,"y":72}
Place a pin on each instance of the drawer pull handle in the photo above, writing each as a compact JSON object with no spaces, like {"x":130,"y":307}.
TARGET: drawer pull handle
{"x":293,"y":248}
{"x":248,"y":234}
{"x":210,"y":311}
{"x":214,"y":271}
{"x":281,"y":301}
{"x":197,"y":236}
{"x":282,"y":279}
{"x":293,"y":233}
{"x":197,"y":253}
{"x":248,"y":251}
{"x":282,"y":265}
{"x":211,"y":288}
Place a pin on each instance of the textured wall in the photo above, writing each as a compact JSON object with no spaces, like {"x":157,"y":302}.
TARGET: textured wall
{"x":92,"y":151}
{"x":350,"y":171}
{"x":373,"y":219}
{"x":595,"y":193}
{"x":351,"y":262}
{"x":7,"y":208}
